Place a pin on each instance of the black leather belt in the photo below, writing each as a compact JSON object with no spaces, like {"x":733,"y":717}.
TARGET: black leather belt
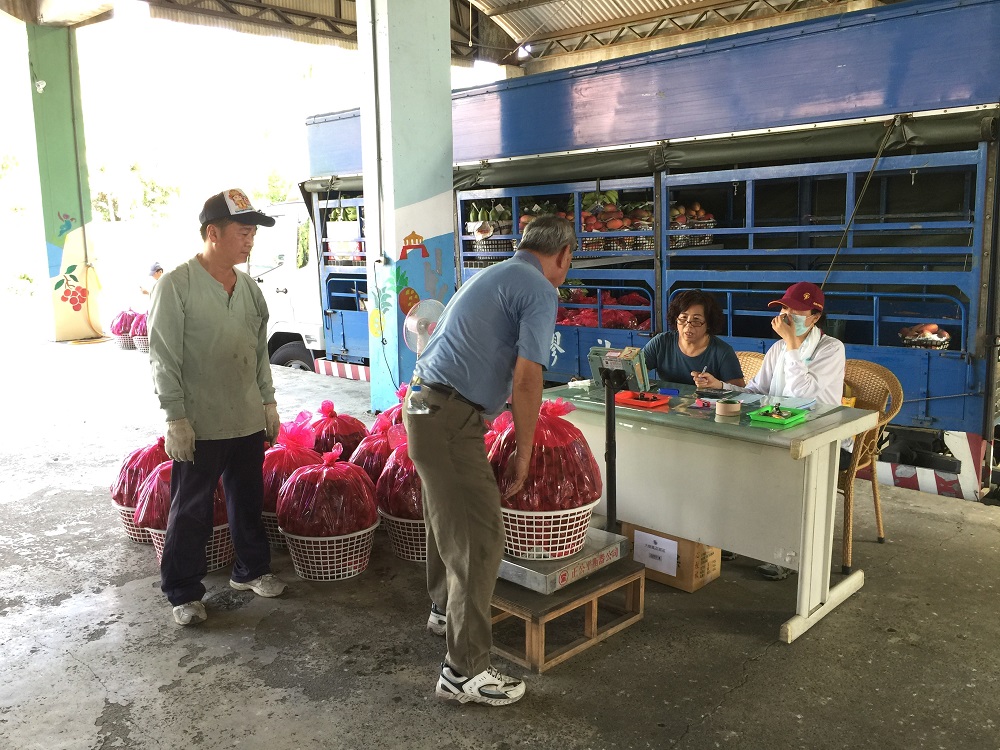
{"x":447,"y":390}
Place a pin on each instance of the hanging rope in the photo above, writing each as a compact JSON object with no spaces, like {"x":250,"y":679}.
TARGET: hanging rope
{"x":890,"y":128}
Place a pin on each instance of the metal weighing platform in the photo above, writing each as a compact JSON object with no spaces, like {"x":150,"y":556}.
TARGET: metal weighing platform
{"x":546,"y":576}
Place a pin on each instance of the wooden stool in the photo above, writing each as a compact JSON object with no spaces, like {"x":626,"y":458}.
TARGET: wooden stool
{"x":510,"y":600}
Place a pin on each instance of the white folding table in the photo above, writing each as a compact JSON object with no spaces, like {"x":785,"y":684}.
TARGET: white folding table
{"x":769,"y":494}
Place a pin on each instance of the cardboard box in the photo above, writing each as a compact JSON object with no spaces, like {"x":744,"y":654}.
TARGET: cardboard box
{"x":677,"y":562}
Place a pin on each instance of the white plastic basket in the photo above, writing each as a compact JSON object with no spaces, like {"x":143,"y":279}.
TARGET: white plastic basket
{"x":124,"y":341}
{"x":546,"y":534}
{"x":135,"y":533}
{"x":141,"y":343}
{"x":408,"y":537}
{"x":331,"y":558}
{"x":274,"y":536}
{"x":219,"y":551}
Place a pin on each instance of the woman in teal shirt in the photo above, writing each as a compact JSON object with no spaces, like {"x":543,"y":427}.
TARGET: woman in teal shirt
{"x":690,"y":346}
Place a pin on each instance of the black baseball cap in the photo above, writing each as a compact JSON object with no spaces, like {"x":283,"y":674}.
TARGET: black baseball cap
{"x":232,"y":204}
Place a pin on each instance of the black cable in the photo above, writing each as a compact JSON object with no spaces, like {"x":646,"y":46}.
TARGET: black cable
{"x":896,"y":121}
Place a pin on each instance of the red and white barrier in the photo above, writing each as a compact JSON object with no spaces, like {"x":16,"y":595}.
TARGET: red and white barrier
{"x":342,"y":370}
{"x":967,"y":448}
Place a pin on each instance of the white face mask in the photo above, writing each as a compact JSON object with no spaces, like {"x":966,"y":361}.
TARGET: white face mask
{"x":801,"y":327}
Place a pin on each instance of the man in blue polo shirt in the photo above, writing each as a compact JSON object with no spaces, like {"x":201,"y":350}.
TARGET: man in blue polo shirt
{"x":492,"y":341}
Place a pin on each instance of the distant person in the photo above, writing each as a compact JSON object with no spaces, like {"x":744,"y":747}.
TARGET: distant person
{"x":155,"y":273}
{"x":804,"y":363}
{"x":208,"y":349}
{"x":690,"y":346}
{"x":493,"y":341}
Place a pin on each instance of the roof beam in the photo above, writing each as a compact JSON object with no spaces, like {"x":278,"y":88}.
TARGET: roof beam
{"x":696,"y":9}
{"x":264,"y":14}
{"x":521,"y":5}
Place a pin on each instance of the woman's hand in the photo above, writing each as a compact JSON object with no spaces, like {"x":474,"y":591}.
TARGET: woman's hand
{"x":783,"y":326}
{"x":706,"y":380}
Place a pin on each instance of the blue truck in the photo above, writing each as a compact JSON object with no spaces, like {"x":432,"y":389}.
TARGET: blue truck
{"x":858,"y":152}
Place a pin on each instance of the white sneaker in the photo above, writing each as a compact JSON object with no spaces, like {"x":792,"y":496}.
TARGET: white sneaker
{"x":267,"y":585}
{"x":437,"y":623}
{"x":489,"y":687}
{"x":190,"y":613}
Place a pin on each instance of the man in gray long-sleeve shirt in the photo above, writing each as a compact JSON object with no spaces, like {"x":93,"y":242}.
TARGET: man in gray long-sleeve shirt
{"x":208,"y":349}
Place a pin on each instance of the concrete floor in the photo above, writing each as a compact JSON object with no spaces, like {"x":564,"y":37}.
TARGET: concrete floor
{"x":90,"y":657}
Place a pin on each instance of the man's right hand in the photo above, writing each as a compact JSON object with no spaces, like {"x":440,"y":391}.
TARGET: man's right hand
{"x":517,"y":472}
{"x":179,"y":442}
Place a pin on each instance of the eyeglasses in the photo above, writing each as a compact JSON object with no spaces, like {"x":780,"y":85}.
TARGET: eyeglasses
{"x":692,"y":322}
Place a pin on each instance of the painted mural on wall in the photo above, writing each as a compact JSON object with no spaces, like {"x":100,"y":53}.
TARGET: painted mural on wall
{"x":419,"y":266}
{"x":73,"y":293}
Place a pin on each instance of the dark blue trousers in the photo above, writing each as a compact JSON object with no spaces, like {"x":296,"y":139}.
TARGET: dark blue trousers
{"x":240,"y":462}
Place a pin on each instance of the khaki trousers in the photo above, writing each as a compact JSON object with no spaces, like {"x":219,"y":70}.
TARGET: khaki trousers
{"x":465,"y":534}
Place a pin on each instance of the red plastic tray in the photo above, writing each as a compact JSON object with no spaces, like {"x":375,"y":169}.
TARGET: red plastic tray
{"x":650,"y":400}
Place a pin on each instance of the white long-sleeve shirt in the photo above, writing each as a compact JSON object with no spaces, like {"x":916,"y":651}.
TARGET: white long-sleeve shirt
{"x":819,"y":375}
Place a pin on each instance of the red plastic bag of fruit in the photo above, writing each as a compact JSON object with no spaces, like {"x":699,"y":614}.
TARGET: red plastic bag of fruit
{"x":398,"y":488}
{"x":392,"y":415}
{"x":563,"y":473}
{"x":292,"y":450}
{"x":504,"y":420}
{"x":332,"y":428}
{"x":138,"y":327}
{"x":372,"y":453}
{"x":135,"y":468}
{"x":122,"y":323}
{"x":152,"y":510}
{"x":332,"y":498}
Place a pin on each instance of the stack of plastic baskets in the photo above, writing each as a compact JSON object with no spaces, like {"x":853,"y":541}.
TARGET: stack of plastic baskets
{"x":408,"y":537}
{"x":331,"y":558}
{"x":135,"y":533}
{"x":219,"y":551}
{"x":546,"y":535}
{"x":274,"y":535}
{"x":124,"y":341}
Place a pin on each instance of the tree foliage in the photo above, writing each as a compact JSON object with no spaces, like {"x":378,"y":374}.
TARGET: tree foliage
{"x":117,"y":196}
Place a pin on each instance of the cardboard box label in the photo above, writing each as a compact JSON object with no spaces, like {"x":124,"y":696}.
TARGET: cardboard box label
{"x":656,"y":552}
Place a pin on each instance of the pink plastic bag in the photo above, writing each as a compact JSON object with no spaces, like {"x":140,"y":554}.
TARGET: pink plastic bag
{"x":332,"y":428}
{"x":398,"y":489}
{"x":392,"y":415}
{"x":563,"y":473}
{"x":371,"y":454}
{"x":504,"y":420}
{"x":152,"y":510}
{"x":122,"y":323}
{"x":138,"y":327}
{"x":292,"y":450}
{"x":333,"y":498}
{"x":135,"y":468}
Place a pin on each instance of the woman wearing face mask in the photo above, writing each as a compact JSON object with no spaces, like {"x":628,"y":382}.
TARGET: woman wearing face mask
{"x":805,"y":363}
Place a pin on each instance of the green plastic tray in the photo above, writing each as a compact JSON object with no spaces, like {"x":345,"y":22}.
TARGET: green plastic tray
{"x":763,"y":416}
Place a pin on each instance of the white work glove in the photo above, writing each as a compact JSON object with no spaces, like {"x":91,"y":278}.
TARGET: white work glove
{"x":179,"y":442}
{"x":271,"y":422}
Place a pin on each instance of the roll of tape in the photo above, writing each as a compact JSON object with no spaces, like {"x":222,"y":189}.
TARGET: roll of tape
{"x":725,"y":408}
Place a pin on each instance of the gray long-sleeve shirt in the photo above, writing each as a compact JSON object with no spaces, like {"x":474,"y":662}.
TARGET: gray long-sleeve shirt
{"x":208,"y":352}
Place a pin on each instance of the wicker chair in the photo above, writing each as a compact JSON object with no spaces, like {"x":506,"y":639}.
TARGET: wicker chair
{"x":750,"y":363}
{"x":875,"y":388}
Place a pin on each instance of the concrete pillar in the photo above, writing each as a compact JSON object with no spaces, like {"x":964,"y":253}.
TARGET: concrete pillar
{"x":65,"y":188}
{"x":406,"y":146}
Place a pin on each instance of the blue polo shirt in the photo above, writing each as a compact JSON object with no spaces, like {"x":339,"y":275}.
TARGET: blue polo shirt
{"x":503,"y":312}
{"x":664,"y":353}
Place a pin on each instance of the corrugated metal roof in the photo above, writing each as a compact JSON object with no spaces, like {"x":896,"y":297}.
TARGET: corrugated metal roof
{"x":554,"y":27}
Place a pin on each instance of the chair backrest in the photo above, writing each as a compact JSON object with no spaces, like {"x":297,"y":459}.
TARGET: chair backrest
{"x":750,"y":363}
{"x":876,"y":388}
